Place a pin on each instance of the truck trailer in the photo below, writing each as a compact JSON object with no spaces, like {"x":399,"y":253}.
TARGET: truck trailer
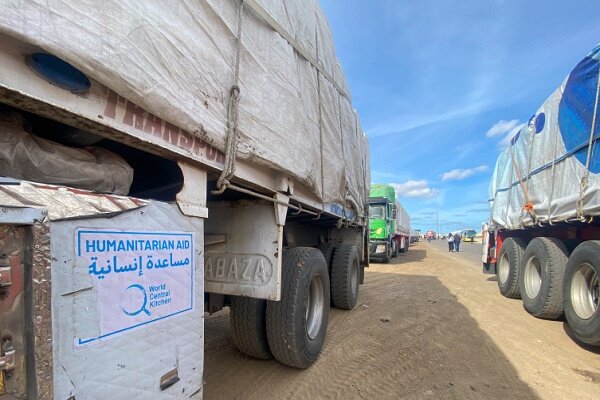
{"x":389,"y":224}
{"x":543,"y":237}
{"x":160,"y":160}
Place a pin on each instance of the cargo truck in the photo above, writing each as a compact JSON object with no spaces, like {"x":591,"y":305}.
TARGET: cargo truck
{"x":543,"y":238}
{"x":415,"y":236}
{"x":160,"y":160}
{"x":389,"y":224}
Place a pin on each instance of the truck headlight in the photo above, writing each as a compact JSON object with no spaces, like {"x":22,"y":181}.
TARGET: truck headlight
{"x":380,"y":248}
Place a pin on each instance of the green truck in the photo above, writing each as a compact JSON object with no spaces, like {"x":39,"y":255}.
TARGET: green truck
{"x":389,"y":224}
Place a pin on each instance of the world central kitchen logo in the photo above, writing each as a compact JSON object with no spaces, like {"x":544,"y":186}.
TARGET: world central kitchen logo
{"x":136,"y":299}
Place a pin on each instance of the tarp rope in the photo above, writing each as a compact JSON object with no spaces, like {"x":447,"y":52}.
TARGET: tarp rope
{"x":583,"y":185}
{"x":232,"y":114}
{"x":528,"y":204}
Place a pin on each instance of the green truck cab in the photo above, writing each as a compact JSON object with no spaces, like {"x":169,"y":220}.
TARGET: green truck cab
{"x":389,"y":224}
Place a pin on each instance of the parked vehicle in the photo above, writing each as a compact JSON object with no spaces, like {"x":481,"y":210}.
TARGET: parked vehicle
{"x":415,"y":236}
{"x":543,"y":238}
{"x":430,"y":235}
{"x":149,"y":176}
{"x":389,"y":224}
{"x":468,"y":235}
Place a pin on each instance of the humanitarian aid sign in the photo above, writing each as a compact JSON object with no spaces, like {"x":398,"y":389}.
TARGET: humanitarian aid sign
{"x":139,"y":277}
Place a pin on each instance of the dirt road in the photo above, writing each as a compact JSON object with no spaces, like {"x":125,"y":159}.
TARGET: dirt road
{"x":429,"y":325}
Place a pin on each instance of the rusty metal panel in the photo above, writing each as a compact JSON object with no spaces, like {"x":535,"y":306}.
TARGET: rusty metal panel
{"x":41,"y":313}
{"x":12,"y":309}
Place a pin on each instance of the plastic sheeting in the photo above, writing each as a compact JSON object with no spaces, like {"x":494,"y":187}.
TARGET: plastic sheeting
{"x":176,"y":60}
{"x":402,"y":220}
{"x":25,"y":156}
{"x":541,"y":176}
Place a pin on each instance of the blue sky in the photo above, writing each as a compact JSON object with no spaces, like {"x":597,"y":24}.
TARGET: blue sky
{"x":440,"y":87}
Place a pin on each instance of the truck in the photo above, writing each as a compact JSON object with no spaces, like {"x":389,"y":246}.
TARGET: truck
{"x":543,"y":237}
{"x":160,"y":160}
{"x":389,"y":224}
{"x":415,"y":235}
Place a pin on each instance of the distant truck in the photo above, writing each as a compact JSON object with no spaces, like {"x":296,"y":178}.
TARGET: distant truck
{"x":415,"y":236}
{"x":543,"y":237}
{"x":430,"y":235}
{"x":389,"y":224}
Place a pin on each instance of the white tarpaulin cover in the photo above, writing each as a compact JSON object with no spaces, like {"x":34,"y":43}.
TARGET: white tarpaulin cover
{"x":176,"y":60}
{"x":402,"y":220}
{"x":550,"y":172}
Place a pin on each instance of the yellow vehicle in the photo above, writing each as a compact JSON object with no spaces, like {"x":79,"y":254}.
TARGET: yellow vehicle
{"x":468,"y":235}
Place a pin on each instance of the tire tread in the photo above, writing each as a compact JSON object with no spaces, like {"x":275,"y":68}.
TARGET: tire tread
{"x":517,"y":245}
{"x":341,"y":292}
{"x":248,"y":326}
{"x":282,"y":336}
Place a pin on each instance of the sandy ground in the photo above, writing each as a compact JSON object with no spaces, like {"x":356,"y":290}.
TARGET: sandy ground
{"x":428,"y":325}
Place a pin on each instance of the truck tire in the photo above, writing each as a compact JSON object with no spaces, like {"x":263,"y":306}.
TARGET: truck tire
{"x":388,"y":255}
{"x":541,"y":279}
{"x":508,"y":266}
{"x":394,"y":248}
{"x":405,"y":248}
{"x":296,"y":325}
{"x":345,"y":276}
{"x":247,"y":318}
{"x":581,"y":292}
{"x":327,"y":249}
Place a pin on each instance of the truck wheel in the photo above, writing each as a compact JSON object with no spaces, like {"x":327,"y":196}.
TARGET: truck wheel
{"x":541,"y":279}
{"x":247,"y":318}
{"x":296,"y":325}
{"x":345,"y":276}
{"x":582,"y":292}
{"x":509,"y":262}
{"x":394,"y":248}
{"x":327,"y":249}
{"x":388,"y":255}
{"x":405,"y":248}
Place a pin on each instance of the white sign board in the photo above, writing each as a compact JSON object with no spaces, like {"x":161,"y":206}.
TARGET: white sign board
{"x":139,"y":277}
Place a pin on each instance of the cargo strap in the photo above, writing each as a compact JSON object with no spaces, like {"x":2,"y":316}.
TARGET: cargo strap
{"x":232,"y":113}
{"x":528,"y":204}
{"x":583,"y":184}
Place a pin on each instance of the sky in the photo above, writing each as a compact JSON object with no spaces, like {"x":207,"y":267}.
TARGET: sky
{"x":441,"y":87}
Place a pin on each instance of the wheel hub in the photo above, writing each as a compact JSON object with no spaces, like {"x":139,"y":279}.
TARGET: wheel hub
{"x":585,"y":289}
{"x":503,"y":268}
{"x":314,"y":307}
{"x":533,"y":277}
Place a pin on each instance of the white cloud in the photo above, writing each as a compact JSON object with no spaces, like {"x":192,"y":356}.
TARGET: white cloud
{"x":505,"y":142}
{"x":413,"y":188}
{"x":502,"y":127}
{"x":460,"y":174}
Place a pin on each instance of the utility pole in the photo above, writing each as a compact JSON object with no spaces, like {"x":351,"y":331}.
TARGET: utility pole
{"x":437,"y":222}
